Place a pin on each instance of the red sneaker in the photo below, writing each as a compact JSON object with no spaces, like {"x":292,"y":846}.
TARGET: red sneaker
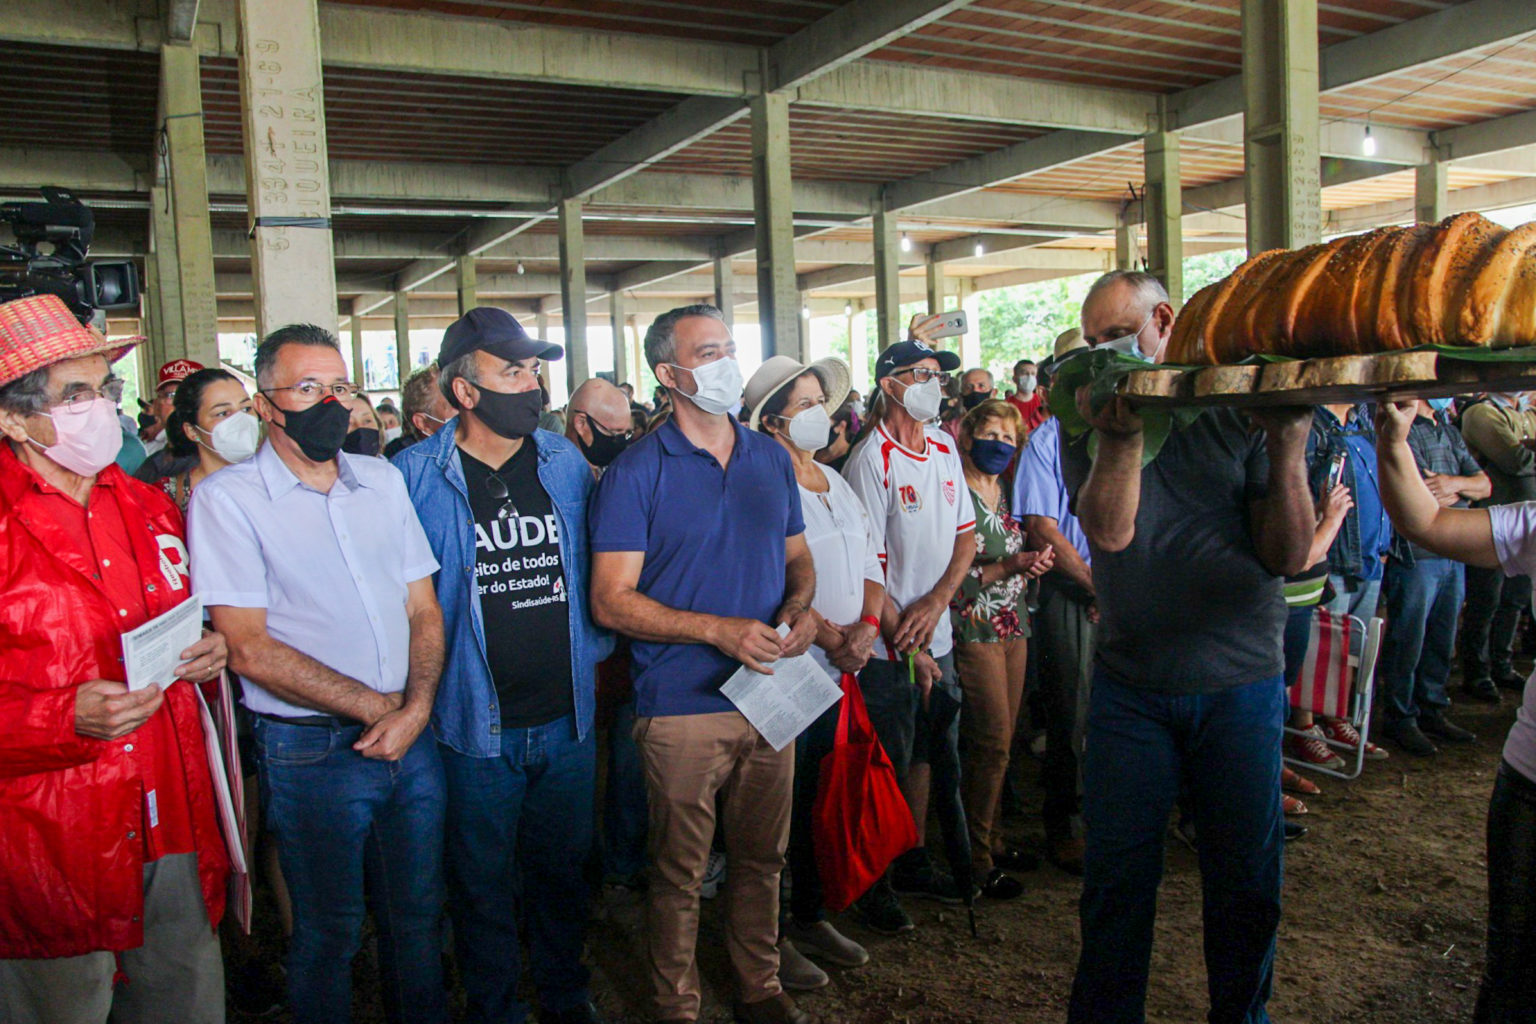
{"x":1310,"y":749}
{"x":1340,"y":731}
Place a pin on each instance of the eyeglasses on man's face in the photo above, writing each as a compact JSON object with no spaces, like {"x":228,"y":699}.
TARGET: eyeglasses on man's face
{"x":310,"y":391}
{"x":922,"y":374}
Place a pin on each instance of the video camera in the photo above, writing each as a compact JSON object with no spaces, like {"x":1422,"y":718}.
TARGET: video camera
{"x":49,"y":257}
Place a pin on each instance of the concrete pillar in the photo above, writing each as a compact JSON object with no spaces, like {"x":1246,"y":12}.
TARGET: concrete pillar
{"x":359,"y":369}
{"x":778,"y":305}
{"x":1125,"y":246}
{"x":637,"y":359}
{"x":887,"y":279}
{"x":858,"y":349}
{"x":464,"y":275}
{"x":1429,"y":191}
{"x":969,"y":343}
{"x":616,"y":327}
{"x":1282,"y":185}
{"x":1165,"y":213}
{"x":168,"y":340}
{"x":403,"y":362}
{"x":573,"y":293}
{"x":936,"y":294}
{"x":181,"y":105}
{"x":149,"y":299}
{"x":282,"y":109}
{"x":725,"y":290}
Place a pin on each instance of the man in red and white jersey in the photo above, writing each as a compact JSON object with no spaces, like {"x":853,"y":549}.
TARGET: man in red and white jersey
{"x":908,"y":474}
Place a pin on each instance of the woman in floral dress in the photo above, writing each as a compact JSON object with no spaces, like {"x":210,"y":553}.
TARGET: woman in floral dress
{"x":991,"y":624}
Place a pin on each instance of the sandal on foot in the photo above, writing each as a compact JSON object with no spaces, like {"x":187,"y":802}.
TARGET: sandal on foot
{"x":1292,"y":782}
{"x":1291,"y":805}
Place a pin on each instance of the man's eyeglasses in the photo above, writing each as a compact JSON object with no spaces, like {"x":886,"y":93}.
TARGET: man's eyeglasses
{"x":313,"y":391}
{"x":922,"y":375}
{"x":624,"y":435}
{"x":497,"y":488}
{"x":80,"y":400}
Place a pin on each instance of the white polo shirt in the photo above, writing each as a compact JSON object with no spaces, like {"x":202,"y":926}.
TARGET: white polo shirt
{"x":917,"y":504}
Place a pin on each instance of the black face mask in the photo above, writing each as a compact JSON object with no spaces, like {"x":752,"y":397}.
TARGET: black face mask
{"x":604,"y":447}
{"x":319,"y":431}
{"x":510,"y":415}
{"x":971,"y":399}
{"x":362,"y":441}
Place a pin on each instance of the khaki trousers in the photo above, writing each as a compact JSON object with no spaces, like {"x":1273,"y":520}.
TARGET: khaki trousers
{"x":177,"y":975}
{"x":688,"y":760}
{"x":992,"y":679}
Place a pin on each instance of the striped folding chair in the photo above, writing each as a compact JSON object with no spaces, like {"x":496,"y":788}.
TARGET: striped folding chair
{"x":1337,"y":679}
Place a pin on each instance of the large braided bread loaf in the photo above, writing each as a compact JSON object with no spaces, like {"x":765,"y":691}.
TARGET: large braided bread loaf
{"x":1464,"y":281}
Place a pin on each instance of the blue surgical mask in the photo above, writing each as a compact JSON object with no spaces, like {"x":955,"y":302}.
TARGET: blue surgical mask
{"x":1130,"y":344}
{"x":1439,"y":404}
{"x":991,"y":457}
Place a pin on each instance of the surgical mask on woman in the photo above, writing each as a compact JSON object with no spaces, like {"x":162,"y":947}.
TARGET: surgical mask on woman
{"x":991,"y":456}
{"x":234,"y":438}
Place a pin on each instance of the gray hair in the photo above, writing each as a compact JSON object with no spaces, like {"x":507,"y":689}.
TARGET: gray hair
{"x":292,"y":334}
{"x":661,"y":338}
{"x":1148,"y":288}
{"x":27,"y":394}
{"x":463,"y":367}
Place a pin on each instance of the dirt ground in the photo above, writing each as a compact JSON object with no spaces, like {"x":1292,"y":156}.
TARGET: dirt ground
{"x":1384,"y":918}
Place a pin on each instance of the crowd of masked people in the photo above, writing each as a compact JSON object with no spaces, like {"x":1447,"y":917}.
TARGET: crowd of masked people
{"x":442,"y":617}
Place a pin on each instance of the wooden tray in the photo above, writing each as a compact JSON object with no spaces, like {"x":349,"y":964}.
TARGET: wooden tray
{"x":1329,"y":381}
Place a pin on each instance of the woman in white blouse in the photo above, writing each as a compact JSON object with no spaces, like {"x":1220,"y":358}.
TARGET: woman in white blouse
{"x":1500,"y":537}
{"x":792,"y":403}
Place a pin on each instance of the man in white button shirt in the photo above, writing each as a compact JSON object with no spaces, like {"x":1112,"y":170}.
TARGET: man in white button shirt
{"x":314,"y":565}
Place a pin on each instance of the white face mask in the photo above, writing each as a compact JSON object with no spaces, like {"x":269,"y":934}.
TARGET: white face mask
{"x":85,"y":440}
{"x":234,"y":438}
{"x":718,"y":384}
{"x":922,"y":401}
{"x":857,"y":405}
{"x":811,"y":430}
{"x":1025,"y":383}
{"x":1130,"y":344}
{"x":391,"y":434}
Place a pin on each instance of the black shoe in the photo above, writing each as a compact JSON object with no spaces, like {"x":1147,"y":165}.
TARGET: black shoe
{"x":1294,"y":831}
{"x":1434,"y":723}
{"x":881,"y":911}
{"x":1506,"y":678}
{"x":586,"y":1013}
{"x":1015,"y":859}
{"x":1483,"y":691}
{"x":1407,"y":735}
{"x":920,"y":876}
{"x":1001,"y":886}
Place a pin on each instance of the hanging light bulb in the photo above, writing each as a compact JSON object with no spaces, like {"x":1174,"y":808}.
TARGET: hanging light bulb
{"x":980,"y":249}
{"x":520,"y":268}
{"x":805,"y":311}
{"x":906,"y":242}
{"x":1368,"y":144}
{"x":847,"y":309}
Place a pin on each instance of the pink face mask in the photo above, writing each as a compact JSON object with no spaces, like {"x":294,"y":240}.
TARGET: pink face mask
{"x":88,"y":439}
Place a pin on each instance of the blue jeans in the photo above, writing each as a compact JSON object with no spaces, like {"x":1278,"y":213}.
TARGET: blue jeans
{"x":341,"y":818}
{"x":1224,"y":748}
{"x":519,"y":831}
{"x":625,"y":809}
{"x":1423,"y":601}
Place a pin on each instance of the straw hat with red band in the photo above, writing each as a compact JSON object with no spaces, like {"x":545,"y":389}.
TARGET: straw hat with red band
{"x":40,"y":330}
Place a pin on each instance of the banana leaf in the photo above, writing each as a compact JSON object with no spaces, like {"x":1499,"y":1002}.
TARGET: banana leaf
{"x":1102,"y":371}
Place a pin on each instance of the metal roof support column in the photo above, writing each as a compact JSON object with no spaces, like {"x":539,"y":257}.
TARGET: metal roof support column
{"x":1165,"y":213}
{"x":166,"y":341}
{"x":1280,"y":124}
{"x":464,"y":273}
{"x":725,"y":290}
{"x":288,"y":184}
{"x":616,"y":327}
{"x":778,"y":306}
{"x":1125,"y":245}
{"x":935,"y":278}
{"x":1429,"y":191}
{"x":181,"y":106}
{"x":573,"y":294}
{"x":359,"y":370}
{"x":887,"y":279}
{"x":403,"y":362}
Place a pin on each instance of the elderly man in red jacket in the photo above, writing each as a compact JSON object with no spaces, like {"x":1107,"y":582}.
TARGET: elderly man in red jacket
{"x":112,"y":864}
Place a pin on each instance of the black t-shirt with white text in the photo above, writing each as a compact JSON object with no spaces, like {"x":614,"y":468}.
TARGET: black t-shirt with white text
{"x":523,"y":600}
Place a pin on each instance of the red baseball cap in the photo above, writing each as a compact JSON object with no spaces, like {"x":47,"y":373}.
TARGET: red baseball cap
{"x":176,"y":371}
{"x":40,"y":330}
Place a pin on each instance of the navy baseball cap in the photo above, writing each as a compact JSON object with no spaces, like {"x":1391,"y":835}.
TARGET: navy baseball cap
{"x":910,"y":352}
{"x":495,"y":331}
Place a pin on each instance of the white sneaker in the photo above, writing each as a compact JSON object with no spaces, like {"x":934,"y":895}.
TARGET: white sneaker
{"x":796,"y":973}
{"x":825,"y":942}
{"x":714,"y":875}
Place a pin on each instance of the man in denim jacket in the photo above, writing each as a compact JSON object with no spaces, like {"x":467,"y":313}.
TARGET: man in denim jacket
{"x":504,"y":506}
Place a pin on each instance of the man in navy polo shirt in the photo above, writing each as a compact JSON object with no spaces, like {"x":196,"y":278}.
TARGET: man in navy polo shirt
{"x":698,"y":553}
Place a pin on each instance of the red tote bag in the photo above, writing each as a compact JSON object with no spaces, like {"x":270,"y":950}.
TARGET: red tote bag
{"x":861,"y":821}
